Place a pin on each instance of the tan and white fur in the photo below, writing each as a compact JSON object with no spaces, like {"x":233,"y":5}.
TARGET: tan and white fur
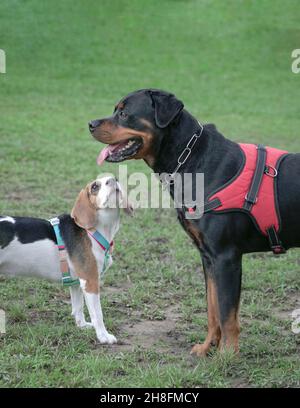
{"x":27,"y":248}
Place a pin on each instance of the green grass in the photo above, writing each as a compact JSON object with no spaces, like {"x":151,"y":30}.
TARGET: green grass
{"x":69,"y":62}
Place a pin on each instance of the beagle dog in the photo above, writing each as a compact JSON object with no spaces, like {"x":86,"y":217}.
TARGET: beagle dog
{"x":30,"y":247}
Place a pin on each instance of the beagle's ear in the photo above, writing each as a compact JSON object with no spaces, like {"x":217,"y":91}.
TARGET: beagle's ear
{"x":128,"y":207}
{"x":125,"y":203}
{"x":166,"y":106}
{"x":84,"y":214}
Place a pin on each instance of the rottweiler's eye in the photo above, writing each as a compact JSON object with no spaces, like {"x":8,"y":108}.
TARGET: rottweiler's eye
{"x":123,"y":115}
{"x":95,"y":188}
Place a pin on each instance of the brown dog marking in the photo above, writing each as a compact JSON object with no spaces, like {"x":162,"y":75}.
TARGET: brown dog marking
{"x":193,"y":232}
{"x":120,"y":106}
{"x":83,"y":260}
{"x":214,"y":332}
{"x":146,"y":123}
{"x":231,"y":332}
{"x":85,"y":264}
{"x":84,"y":210}
{"x":109,"y":133}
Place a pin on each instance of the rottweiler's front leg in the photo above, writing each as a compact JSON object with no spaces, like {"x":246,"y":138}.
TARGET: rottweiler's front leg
{"x":214,"y":331}
{"x":223,"y":286}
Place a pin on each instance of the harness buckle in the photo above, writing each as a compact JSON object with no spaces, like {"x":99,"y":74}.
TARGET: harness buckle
{"x":193,"y":212}
{"x":275,"y":243}
{"x":250,"y":200}
{"x":54,"y":221}
{"x":278,"y":249}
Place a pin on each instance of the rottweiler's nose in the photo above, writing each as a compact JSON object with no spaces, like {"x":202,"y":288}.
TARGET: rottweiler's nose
{"x":93,"y":124}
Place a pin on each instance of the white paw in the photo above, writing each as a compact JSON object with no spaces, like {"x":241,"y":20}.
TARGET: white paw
{"x":296,"y":322}
{"x":84,"y":324}
{"x":106,"y":338}
{"x":296,"y":314}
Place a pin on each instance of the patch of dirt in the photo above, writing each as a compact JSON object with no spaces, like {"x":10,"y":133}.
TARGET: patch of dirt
{"x":20,"y":194}
{"x":293,"y":304}
{"x":116,"y":289}
{"x":239,"y":383}
{"x":34,"y":317}
{"x":160,"y":335}
{"x":159,"y":240}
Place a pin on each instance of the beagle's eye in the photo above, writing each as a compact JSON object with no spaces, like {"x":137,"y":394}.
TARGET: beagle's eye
{"x":95,"y":188}
{"x":123,"y":115}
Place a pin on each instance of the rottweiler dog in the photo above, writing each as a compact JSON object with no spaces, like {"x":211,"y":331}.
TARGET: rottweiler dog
{"x":153,"y":125}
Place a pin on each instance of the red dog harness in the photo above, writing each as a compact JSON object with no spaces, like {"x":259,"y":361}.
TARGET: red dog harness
{"x":254,"y":191}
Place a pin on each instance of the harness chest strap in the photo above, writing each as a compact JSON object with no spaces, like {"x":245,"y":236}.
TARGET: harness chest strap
{"x":67,"y":279}
{"x":251,"y":196}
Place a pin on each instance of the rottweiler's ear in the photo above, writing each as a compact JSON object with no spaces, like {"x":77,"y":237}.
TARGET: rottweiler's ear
{"x":83,"y":212}
{"x":167,"y":107}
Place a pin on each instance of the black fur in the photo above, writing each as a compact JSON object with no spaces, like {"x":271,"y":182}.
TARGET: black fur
{"x":225,"y":237}
{"x":29,"y":230}
{"x":166,"y":106}
{"x":73,"y":236}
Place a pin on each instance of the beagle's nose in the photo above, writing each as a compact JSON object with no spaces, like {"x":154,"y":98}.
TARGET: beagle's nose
{"x":93,"y":124}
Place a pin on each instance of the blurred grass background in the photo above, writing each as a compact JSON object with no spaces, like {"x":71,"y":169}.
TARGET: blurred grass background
{"x":69,"y":62}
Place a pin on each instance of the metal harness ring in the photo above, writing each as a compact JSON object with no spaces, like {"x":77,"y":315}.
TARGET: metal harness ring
{"x":267,"y":169}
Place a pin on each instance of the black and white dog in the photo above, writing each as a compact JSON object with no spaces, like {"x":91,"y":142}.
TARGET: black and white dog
{"x":29,"y":247}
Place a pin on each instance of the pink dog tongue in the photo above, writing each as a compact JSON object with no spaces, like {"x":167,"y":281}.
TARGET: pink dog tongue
{"x":105,"y":153}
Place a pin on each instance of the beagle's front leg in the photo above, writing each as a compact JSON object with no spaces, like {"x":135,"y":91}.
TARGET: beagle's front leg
{"x":92,"y":299}
{"x":77,"y":307}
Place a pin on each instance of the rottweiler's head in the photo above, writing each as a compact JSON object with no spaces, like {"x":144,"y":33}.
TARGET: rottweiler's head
{"x":137,"y":127}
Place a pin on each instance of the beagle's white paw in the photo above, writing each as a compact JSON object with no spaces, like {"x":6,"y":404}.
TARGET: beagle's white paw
{"x":106,"y":338}
{"x":296,"y":322}
{"x":86,"y":325}
{"x":83,"y":324}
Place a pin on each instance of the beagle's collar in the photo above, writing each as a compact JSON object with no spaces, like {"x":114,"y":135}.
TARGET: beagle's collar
{"x":100,"y":239}
{"x":105,"y":245}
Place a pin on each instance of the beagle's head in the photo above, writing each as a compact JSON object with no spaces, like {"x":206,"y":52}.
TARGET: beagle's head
{"x":104,"y":194}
